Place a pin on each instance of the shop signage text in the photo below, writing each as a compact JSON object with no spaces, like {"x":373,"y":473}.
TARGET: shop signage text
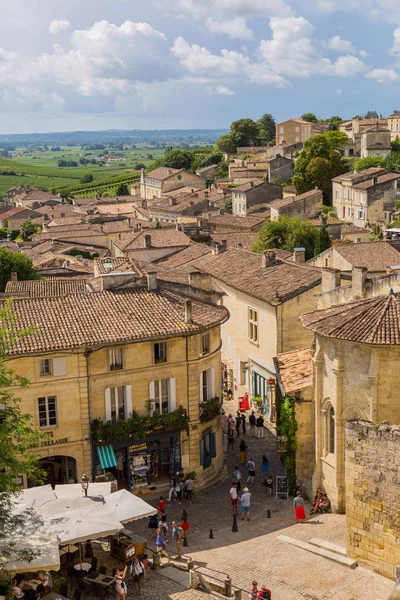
{"x":52,"y":441}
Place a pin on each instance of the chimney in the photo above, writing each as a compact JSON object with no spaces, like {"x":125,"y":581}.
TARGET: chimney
{"x":330,"y":279}
{"x":375,"y":180}
{"x":251,"y":183}
{"x":268,"y":259}
{"x":172,"y":201}
{"x":147,"y":240}
{"x":200,"y":280}
{"x":151,"y":282}
{"x":192,"y":190}
{"x":188,"y":311}
{"x":178,"y":227}
{"x":358,"y":281}
{"x":223,"y":244}
{"x":14,"y":276}
{"x":299,"y":255}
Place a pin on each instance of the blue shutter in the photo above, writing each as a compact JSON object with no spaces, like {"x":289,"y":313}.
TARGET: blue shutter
{"x":202,"y":452}
{"x":213,"y":445}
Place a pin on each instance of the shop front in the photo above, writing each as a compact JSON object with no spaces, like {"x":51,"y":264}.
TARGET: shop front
{"x":262,"y":386}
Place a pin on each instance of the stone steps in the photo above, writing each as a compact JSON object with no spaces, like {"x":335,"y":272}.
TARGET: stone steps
{"x":334,"y":556}
{"x":328,"y":546}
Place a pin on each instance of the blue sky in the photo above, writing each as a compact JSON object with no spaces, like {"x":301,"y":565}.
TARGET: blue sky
{"x":152,"y":64}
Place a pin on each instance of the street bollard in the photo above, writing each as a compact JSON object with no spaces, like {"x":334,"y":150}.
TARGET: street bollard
{"x":237,"y":595}
{"x":211,"y":536}
{"x":157,"y":560}
{"x":193,"y":580}
{"x":234,"y":524}
{"x":190,"y":564}
{"x":228,"y":587}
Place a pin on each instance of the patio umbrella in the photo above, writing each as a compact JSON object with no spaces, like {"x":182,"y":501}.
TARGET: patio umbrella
{"x":89,"y":523}
{"x":126,"y":507}
{"x":75,"y":489}
{"x":48,"y":558}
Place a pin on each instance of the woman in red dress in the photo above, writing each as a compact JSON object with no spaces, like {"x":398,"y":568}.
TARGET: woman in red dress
{"x":185,"y":526}
{"x":298,"y":505}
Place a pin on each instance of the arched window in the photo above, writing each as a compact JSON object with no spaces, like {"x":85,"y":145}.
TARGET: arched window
{"x":331,"y":426}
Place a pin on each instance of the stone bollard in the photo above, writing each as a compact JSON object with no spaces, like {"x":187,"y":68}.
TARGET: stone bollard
{"x":190,"y":564}
{"x":193,"y":580}
{"x":157,"y":560}
{"x":228,"y":587}
{"x":237,"y":595}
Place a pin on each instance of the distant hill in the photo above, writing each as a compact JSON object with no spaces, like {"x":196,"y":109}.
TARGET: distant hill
{"x":134,"y":136}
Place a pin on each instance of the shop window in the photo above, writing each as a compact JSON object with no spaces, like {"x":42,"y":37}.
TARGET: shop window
{"x":47,"y":411}
{"x":253,"y":325}
{"x":160,"y":352}
{"x":205,"y":344}
{"x":260,"y":389}
{"x":118,"y":402}
{"x":207,"y":385}
{"x":208,"y":449}
{"x":115,"y":356}
{"x":46,"y":367}
{"x":162,"y":395}
{"x":331,"y":425}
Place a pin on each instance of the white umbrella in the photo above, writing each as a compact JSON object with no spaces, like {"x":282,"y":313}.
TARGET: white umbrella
{"x":81,"y":524}
{"x":30,"y":495}
{"x":48,"y":558}
{"x":126,"y":507}
{"x":57,"y":506}
{"x":75,"y":489}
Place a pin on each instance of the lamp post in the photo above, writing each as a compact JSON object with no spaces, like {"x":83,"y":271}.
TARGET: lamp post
{"x":85,"y":484}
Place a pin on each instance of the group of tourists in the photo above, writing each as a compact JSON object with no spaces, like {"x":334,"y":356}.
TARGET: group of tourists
{"x":237,"y":427}
{"x":162,"y":533}
{"x":181,"y":487}
{"x":263,"y":592}
{"x":138,"y":572}
{"x":321,"y":503}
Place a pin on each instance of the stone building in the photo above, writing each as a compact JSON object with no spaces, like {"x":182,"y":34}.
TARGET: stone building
{"x":376,"y":257}
{"x":304,"y":206}
{"x":163,"y":179}
{"x":372,"y":495}
{"x":355,"y":358}
{"x":293,"y":131}
{"x":126,"y":343}
{"x":251,"y":197}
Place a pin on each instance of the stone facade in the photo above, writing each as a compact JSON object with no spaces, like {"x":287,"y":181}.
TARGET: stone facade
{"x":293,"y":131}
{"x":373,"y":495}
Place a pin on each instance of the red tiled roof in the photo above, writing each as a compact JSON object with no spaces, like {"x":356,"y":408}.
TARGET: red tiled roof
{"x":163,"y":173}
{"x":160,"y":238}
{"x":185,"y":257}
{"x":295,"y":370}
{"x":376,"y":256}
{"x":47,"y":287}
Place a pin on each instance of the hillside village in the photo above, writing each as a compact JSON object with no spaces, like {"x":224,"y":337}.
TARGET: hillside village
{"x":165,"y":303}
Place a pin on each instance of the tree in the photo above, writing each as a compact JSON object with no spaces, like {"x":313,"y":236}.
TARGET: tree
{"x":310,"y":117}
{"x":368,"y":162}
{"x":322,"y":242}
{"x":395,"y":144}
{"x":244,"y":132}
{"x":139,"y":166}
{"x":17,"y":437}
{"x":289,"y":233}
{"x":266,"y":128}
{"x":211,"y":159}
{"x":225,"y":144}
{"x":122,"y":190}
{"x":28,"y":229}
{"x":320,"y":161}
{"x":14,"y":262}
{"x":178,"y":159}
{"x":222,"y":170}
{"x":87,"y":178}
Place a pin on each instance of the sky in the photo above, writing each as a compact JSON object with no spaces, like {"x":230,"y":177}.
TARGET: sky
{"x":161,"y":64}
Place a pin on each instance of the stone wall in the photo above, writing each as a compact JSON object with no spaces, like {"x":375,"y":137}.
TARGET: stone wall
{"x":373,"y":494}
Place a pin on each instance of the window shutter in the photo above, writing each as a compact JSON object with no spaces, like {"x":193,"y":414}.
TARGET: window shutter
{"x":128,"y":401}
{"x":213,"y":445}
{"x":212,"y":382}
{"x":201,"y":386}
{"x":202,"y":452}
{"x":107,"y":396}
{"x":59,"y":366}
{"x":171,"y":394}
{"x":152,"y":390}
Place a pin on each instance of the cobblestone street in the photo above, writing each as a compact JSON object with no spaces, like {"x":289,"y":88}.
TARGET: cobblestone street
{"x":254,"y":552}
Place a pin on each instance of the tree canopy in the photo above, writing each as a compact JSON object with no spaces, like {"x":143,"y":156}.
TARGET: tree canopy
{"x":225,"y":144}
{"x":310,"y":117}
{"x":178,"y":159}
{"x":368,"y":162}
{"x":28,"y":229}
{"x":122,"y":189}
{"x":289,"y":233}
{"x":246,"y":132}
{"x":266,"y":128}
{"x":320,"y":161}
{"x":15,"y":262}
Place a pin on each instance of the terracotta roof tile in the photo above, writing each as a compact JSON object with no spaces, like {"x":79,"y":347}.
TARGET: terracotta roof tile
{"x":295,"y":370}
{"x":249,"y":222}
{"x":185,"y":257}
{"x":47,"y":287}
{"x":376,"y":256}
{"x":160,"y":238}
{"x":246,"y":238}
{"x":371,"y":321}
{"x":163,"y":173}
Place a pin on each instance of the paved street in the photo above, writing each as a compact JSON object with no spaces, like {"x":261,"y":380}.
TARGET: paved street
{"x":254,"y":551}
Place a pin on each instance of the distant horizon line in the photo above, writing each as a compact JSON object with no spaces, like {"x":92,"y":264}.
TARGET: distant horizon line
{"x":116,"y":130}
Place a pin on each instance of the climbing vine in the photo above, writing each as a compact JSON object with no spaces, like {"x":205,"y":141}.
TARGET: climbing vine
{"x":287,"y":427}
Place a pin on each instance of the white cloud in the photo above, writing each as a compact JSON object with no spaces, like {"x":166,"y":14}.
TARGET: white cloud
{"x":234,"y":8}
{"x":235,"y":29}
{"x":395,"y":49}
{"x":348,"y":66}
{"x":382,"y":75}
{"x":336,"y":43}
{"x":59,"y":25}
{"x":339,"y":92}
{"x":363,"y":53}
{"x":221,"y":90}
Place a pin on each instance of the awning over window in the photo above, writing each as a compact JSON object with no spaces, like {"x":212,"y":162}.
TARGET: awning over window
{"x":106,"y":456}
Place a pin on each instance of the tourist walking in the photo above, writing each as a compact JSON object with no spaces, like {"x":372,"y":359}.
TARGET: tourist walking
{"x":234,"y":498}
{"x":253,"y":594}
{"x":231,"y":440}
{"x":260,"y":426}
{"x":189,"y":489}
{"x":243,"y":419}
{"x":264,"y":593}
{"x":184,"y":525}
{"x":264,"y":468}
{"x":237,"y":478}
{"x":243,"y":451}
{"x":298,"y":505}
{"x":176,"y":537}
{"x":120,"y":584}
{"x":245,"y":503}
{"x":139,"y":574}
{"x":251,"y":469}
{"x":153,"y":524}
{"x":269,"y":485}
{"x":237,"y":423}
{"x":252,"y":422}
{"x":160,"y":543}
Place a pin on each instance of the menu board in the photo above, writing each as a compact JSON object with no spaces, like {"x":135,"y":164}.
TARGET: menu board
{"x":282,"y":486}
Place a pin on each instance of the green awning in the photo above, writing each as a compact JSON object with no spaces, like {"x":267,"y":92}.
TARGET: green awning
{"x":106,"y":456}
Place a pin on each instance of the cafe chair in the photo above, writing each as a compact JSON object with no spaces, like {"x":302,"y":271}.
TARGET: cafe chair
{"x":103,"y":570}
{"x":64,"y":589}
{"x":94,"y":564}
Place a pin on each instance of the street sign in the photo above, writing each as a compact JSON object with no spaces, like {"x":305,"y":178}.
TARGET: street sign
{"x":282,"y":486}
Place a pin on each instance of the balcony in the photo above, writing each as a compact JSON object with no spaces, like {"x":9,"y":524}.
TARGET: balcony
{"x":210,"y":409}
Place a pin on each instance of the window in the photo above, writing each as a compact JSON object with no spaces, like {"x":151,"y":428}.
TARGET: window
{"x":297,"y":129}
{"x":160,"y":352}
{"x":115,"y":359}
{"x":207,"y":385}
{"x":162,"y":395}
{"x":331,"y":425}
{"x":46,"y":367}
{"x":118,"y":402}
{"x":208,"y":449}
{"x":260,"y":388}
{"x":280,"y":129}
{"x":351,"y":152}
{"x":253,"y":325}
{"x":297,"y":138}
{"x":336,"y":194}
{"x":47,"y":411}
{"x":360,"y":214}
{"x":205,"y":344}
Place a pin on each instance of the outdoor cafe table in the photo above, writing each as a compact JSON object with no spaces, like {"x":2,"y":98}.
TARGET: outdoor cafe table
{"x":99,"y":578}
{"x":82,"y":567}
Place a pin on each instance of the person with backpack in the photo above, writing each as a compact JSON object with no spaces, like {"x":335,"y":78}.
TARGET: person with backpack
{"x":252,"y":422}
{"x":178,"y":491}
{"x":264,"y":593}
{"x":237,"y":478}
{"x":260,"y":426}
{"x":176,"y":537}
{"x":264,"y":468}
{"x":251,"y":469}
{"x":139,"y":573}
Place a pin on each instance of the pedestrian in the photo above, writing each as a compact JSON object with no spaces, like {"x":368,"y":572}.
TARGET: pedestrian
{"x":189,"y":489}
{"x":264,"y":468}
{"x":139,"y":574}
{"x":184,"y":525}
{"x":231,"y":440}
{"x":270,"y":485}
{"x":155,"y":459}
{"x":120,"y":584}
{"x":237,"y":478}
{"x":243,"y":451}
{"x":164,"y":526}
{"x":243,"y":419}
{"x":234,"y":498}
{"x":251,"y":468}
{"x":178,"y":491}
{"x":298,"y":505}
{"x":171,"y":494}
{"x":252,"y":421}
{"x":237,"y":423}
{"x":260,"y":426}
{"x":253,"y":591}
{"x":229,"y":422}
{"x":160,"y":543}
{"x":161,"y":505}
{"x":245,"y":503}
{"x":264,"y":593}
{"x":153,"y":524}
{"x":176,"y":537}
